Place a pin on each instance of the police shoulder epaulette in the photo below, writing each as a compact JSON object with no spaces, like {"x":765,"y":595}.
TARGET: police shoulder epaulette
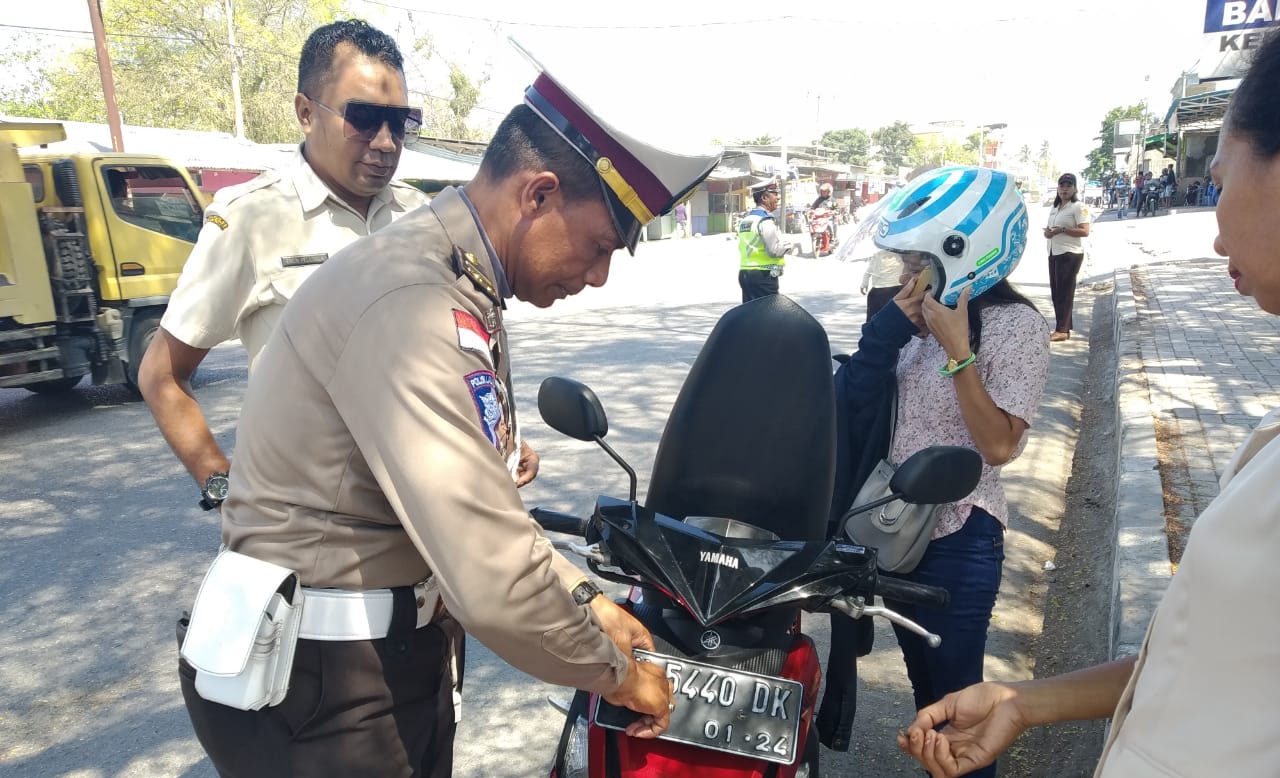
{"x":230,"y":194}
{"x":466,"y":264}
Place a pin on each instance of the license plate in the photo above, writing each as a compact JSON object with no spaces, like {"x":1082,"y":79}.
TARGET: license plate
{"x":724,"y":710}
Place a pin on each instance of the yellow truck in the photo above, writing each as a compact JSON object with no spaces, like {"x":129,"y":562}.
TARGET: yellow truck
{"x":91,"y":246}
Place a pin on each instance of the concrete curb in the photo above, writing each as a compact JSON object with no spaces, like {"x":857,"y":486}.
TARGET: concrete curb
{"x":1142,"y":567}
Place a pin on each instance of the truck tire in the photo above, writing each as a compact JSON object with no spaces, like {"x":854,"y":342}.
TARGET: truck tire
{"x":141,"y":332}
{"x":55,"y":386}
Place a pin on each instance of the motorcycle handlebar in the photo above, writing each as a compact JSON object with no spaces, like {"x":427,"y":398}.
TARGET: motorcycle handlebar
{"x":914,"y":593}
{"x":559,"y":522}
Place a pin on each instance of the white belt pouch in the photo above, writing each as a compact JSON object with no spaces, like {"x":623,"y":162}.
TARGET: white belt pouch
{"x":243,"y":631}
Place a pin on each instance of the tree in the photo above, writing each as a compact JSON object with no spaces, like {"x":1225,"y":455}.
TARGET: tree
{"x":763,"y":140}
{"x":853,"y":145}
{"x":172,"y":66}
{"x":1102,"y":159}
{"x":1024,"y":156}
{"x":895,"y":143}
{"x":1045,"y":161}
{"x":931,"y":150}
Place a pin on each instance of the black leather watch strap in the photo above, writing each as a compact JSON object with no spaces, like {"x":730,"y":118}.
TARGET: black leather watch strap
{"x":585,"y":592}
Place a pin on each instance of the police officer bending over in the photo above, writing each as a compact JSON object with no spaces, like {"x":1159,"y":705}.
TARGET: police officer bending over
{"x":372,"y":509}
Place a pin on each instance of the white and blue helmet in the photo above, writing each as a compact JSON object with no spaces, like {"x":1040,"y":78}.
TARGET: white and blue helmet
{"x":970,"y":221}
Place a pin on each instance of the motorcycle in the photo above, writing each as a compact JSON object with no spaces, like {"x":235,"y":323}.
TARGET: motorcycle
{"x":1150,"y":198}
{"x":729,"y":547}
{"x":822,"y":229}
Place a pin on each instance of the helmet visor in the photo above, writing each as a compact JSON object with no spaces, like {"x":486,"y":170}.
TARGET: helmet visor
{"x":861,"y":245}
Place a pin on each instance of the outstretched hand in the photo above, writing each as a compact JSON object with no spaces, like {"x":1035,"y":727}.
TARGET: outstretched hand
{"x":981,"y":721}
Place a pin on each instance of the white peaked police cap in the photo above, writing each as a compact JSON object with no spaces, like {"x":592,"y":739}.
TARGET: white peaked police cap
{"x":640,"y":181}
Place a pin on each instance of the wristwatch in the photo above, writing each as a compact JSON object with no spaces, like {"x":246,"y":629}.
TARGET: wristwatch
{"x":585,"y":592}
{"x":214,"y":491}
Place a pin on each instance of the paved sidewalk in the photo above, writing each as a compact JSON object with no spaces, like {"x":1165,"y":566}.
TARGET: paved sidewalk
{"x":1199,"y":365}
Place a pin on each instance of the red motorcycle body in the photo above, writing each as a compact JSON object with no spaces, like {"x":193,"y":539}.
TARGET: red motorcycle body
{"x":822,"y":229}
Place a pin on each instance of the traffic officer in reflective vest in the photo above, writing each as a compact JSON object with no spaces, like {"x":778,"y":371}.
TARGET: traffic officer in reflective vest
{"x":372,"y":511}
{"x":760,"y":245}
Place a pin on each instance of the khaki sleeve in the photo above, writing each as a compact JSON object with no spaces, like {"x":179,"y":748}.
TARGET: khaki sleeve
{"x":216,"y":283}
{"x":404,"y":389}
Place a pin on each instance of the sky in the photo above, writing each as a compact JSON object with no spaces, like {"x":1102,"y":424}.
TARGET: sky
{"x":684,"y":74}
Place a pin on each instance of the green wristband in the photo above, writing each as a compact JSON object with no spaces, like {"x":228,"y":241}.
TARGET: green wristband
{"x":952,"y":367}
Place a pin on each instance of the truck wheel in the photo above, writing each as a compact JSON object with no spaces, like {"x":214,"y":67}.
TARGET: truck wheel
{"x":56,"y":386}
{"x":141,"y":333}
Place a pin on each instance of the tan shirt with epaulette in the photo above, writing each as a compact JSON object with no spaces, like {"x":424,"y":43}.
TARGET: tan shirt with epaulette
{"x":260,"y":241}
{"x":372,"y":445}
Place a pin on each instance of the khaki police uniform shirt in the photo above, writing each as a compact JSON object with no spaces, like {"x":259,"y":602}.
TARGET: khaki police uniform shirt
{"x":373,"y":443}
{"x":260,"y":241}
{"x":1204,"y":696}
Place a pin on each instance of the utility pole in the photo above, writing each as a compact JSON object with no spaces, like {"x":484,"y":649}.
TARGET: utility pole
{"x":782,"y":188}
{"x":104,"y":71}
{"x":235,"y":70}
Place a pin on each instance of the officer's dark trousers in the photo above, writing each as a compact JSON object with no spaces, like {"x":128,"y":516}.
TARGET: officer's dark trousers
{"x":375,"y":708}
{"x":756,"y":283}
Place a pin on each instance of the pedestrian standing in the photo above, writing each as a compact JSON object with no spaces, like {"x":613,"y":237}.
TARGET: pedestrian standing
{"x":372,"y":513}
{"x":1067,"y":228}
{"x":682,"y":219}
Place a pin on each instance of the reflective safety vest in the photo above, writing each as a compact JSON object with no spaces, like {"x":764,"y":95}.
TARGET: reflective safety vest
{"x":751,"y":245}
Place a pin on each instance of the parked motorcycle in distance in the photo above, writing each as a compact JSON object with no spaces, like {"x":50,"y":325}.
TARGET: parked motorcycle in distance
{"x":730,"y":546}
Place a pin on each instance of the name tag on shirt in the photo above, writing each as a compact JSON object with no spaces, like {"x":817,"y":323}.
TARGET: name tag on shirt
{"x":301,"y":260}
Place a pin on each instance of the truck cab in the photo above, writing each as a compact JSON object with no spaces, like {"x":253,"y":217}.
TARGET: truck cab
{"x":91,"y":246}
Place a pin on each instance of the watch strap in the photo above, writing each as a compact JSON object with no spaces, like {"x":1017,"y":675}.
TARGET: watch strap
{"x":585,"y":592}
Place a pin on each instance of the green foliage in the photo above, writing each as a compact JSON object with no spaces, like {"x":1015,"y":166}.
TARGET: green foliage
{"x":1102,"y":159}
{"x":172,"y":67}
{"x":1044,"y":162}
{"x":853,"y":144}
{"x":930,"y":150}
{"x":895,"y":142}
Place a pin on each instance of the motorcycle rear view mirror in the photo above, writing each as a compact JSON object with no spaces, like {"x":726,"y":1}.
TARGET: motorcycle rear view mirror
{"x":572,"y":408}
{"x":936,"y":475}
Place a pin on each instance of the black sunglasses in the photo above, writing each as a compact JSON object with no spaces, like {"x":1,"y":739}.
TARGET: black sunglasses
{"x":363,"y":121}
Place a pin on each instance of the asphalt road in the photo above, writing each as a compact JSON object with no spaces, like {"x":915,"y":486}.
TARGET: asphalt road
{"x":101,"y":543}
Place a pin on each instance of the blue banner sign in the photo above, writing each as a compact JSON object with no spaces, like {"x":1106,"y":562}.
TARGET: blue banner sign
{"x":1233,"y":15}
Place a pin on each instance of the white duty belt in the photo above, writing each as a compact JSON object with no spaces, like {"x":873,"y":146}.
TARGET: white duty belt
{"x":340,"y":614}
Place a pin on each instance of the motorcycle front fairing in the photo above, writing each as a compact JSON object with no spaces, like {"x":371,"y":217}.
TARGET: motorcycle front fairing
{"x":716,"y":578}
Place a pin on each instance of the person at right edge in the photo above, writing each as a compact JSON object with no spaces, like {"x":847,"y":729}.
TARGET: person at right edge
{"x":760,"y":245}
{"x":968,"y":359}
{"x":1067,"y":228}
{"x":371,"y":473}
{"x":1202,"y":696}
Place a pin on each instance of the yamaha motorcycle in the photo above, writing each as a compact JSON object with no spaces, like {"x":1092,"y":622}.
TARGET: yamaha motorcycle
{"x":728,"y":549}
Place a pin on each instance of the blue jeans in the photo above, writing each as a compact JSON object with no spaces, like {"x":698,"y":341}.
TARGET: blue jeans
{"x":968,"y":564}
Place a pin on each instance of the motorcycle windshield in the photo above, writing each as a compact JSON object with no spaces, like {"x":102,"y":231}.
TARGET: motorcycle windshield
{"x":861,"y":245}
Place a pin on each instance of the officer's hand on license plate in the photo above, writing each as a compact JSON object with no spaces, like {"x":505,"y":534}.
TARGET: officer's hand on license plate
{"x":649,"y":692}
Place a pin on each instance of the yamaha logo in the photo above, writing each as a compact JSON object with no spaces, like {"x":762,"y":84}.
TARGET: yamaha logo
{"x":718,"y":558}
{"x":710,"y":640}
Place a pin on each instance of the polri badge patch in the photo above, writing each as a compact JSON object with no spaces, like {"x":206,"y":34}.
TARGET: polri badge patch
{"x":214,"y":218}
{"x":483,"y":385}
{"x":472,"y":336}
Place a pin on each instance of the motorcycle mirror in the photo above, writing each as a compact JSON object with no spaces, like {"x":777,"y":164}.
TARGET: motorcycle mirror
{"x":936,"y":475}
{"x":571,"y":408}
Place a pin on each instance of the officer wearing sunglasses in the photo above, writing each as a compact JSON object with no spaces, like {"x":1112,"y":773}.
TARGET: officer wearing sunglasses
{"x":263,"y":238}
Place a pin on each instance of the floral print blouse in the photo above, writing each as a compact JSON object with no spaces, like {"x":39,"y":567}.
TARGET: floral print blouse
{"x":1014,"y":364}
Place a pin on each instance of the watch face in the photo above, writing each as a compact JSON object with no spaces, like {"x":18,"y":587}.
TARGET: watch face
{"x":215,"y":488}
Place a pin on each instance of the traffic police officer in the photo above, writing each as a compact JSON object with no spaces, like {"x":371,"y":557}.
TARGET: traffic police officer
{"x":263,"y":238}
{"x":372,"y":470}
{"x":760,"y":245}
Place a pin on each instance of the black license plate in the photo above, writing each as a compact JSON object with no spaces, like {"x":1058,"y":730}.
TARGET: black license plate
{"x":724,"y":710}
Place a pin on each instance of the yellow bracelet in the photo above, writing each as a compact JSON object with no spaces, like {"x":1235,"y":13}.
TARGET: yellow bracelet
{"x":952,"y":367}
